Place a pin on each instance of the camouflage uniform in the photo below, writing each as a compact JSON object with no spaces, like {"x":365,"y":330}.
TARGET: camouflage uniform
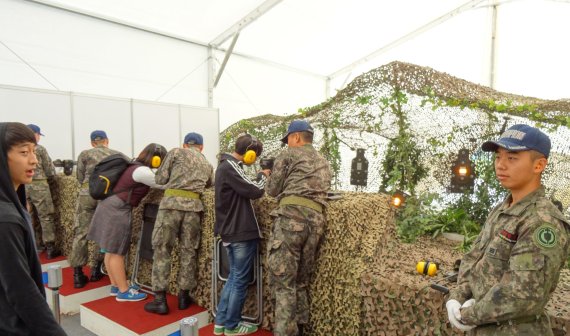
{"x":86,"y":206}
{"x":183,"y":169}
{"x":301,"y":173}
{"x":513,"y":268}
{"x":39,"y":195}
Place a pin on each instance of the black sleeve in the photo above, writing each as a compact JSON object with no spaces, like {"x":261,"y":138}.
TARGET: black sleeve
{"x":242,"y":184}
{"x":19,"y":287}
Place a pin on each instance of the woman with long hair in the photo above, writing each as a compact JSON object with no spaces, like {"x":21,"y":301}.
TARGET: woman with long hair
{"x":23,"y":306}
{"x":111,"y":224}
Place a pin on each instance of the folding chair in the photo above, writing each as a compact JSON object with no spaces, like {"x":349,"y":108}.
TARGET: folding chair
{"x":220,"y":272}
{"x":144,"y":245}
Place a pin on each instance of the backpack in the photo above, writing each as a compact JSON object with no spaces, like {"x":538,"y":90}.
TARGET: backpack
{"x":106,"y":174}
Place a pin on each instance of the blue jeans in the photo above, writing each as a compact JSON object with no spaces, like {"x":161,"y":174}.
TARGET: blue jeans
{"x":240,"y":255}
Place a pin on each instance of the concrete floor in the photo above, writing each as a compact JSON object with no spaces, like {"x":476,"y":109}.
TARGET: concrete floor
{"x":72,"y":326}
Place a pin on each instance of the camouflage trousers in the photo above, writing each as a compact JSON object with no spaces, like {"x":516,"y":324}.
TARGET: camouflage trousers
{"x":292,"y":251}
{"x":86,"y":206}
{"x":39,"y":197}
{"x":541,"y":327}
{"x":171,"y":224}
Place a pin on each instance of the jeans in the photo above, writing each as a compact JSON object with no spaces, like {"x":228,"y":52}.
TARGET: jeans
{"x":241,"y":256}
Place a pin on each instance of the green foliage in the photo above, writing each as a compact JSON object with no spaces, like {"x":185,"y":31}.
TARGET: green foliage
{"x":428,"y":213}
{"x":401,"y":168}
{"x":330,"y":148}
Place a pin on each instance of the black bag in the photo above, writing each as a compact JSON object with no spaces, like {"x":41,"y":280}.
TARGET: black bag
{"x":106,"y":174}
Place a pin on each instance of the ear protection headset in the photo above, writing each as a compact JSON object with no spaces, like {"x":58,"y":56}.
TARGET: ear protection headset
{"x":427,"y":268}
{"x":250,"y":155}
{"x":156,"y":160}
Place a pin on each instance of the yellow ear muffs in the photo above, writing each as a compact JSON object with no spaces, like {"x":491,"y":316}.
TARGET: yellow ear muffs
{"x":427,"y":268}
{"x":155,"y":162}
{"x":249,"y":157}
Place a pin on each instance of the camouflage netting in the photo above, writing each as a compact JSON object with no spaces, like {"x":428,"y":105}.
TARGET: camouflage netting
{"x":445,"y":114}
{"x":365,"y":281}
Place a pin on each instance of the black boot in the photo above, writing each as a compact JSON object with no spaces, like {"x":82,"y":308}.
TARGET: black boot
{"x":158,"y":305}
{"x":96,"y":273}
{"x":300,"y":328}
{"x":52,"y":251}
{"x":79,"y":279}
{"x":184,"y":299}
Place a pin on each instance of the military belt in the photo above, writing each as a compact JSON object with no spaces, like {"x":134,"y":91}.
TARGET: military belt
{"x":521,"y":320}
{"x":301,"y":201}
{"x":39,"y":181}
{"x":85,"y":185}
{"x":181,"y":193}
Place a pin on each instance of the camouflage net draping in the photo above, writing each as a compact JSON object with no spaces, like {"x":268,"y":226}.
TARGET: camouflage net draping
{"x":441,"y":109}
{"x":365,"y":281}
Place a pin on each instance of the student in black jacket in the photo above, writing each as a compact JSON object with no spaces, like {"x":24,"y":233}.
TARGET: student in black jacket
{"x":237,"y":225}
{"x":23,"y":307}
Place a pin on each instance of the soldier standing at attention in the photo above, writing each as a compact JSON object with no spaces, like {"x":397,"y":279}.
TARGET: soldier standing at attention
{"x":85,"y":208}
{"x":513,"y":267}
{"x":185,"y":173}
{"x":300,"y":181}
{"x":39,"y":195}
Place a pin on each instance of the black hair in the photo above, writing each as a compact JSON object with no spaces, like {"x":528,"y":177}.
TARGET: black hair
{"x":246,"y":142}
{"x":146,"y":155}
{"x":307,"y":136}
{"x":17,"y":133}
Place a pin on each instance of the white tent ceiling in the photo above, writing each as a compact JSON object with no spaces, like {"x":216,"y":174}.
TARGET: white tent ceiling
{"x":285,"y":58}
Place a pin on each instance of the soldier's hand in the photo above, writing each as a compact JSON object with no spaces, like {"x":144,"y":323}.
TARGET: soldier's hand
{"x":266,"y":172}
{"x":454,"y":315}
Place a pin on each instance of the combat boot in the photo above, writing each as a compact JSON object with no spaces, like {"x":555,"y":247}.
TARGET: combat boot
{"x":184,"y":299}
{"x":79,"y":279}
{"x":52,"y":251}
{"x":300,"y":329}
{"x":158,"y":305}
{"x":96,"y":273}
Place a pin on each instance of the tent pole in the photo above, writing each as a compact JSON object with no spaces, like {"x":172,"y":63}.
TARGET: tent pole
{"x":493,"y":60}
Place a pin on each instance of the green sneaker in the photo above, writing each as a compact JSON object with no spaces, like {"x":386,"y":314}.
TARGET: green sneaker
{"x":241,"y":329}
{"x":218,"y":329}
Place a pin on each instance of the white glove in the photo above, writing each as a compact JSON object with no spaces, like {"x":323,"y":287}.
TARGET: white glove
{"x":468,"y":303}
{"x":454,"y":315}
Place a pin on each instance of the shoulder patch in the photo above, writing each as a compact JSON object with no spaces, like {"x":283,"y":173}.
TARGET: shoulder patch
{"x":545,"y":236}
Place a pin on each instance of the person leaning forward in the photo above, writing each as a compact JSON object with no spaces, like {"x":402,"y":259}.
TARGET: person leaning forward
{"x":514,"y":265}
{"x":300,"y":181}
{"x":185,"y":173}
{"x":39,"y":195}
{"x":85,"y":208}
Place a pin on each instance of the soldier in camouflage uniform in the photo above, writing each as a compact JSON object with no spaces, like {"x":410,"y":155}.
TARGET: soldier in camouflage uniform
{"x":185,"y":173}
{"x":513,"y":267}
{"x":300,"y":181}
{"x":85,"y":208}
{"x":39,"y":195}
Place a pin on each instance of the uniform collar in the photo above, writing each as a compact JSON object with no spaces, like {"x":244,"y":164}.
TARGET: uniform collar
{"x":520,"y":207}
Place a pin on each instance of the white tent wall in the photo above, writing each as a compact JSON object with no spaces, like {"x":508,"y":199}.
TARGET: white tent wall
{"x":67,"y":119}
{"x":249,"y":88}
{"x":458,"y":46}
{"x":82,"y":54}
{"x":530,"y":58}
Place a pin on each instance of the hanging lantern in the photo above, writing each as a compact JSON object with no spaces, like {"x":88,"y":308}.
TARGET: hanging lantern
{"x":463,"y":170}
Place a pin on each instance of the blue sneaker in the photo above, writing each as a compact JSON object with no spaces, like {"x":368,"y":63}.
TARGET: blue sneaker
{"x":130,"y":295}
{"x":114,"y":291}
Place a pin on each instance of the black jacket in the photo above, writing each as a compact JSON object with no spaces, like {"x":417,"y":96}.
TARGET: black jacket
{"x":23,"y":307}
{"x":235,"y":217}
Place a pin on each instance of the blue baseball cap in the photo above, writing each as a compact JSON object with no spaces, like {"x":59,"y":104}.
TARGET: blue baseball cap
{"x":193,"y":139}
{"x":98,"y":135}
{"x":520,"y":138}
{"x":297,"y":126}
{"x":35,"y":129}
